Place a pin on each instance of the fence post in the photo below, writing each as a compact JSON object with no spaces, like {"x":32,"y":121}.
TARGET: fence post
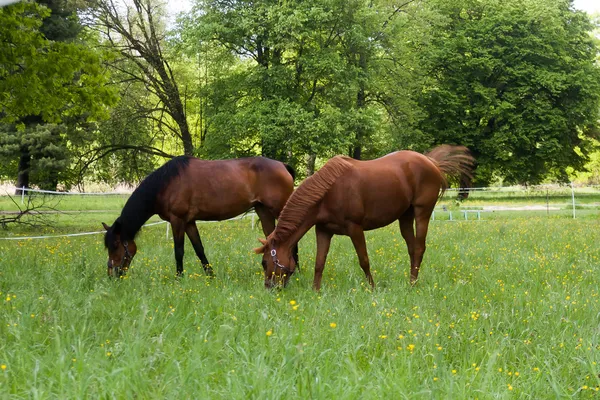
{"x":168,"y":230}
{"x":23,"y":195}
{"x":573,"y":199}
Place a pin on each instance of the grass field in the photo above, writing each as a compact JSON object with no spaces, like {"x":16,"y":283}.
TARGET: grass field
{"x":504,"y":308}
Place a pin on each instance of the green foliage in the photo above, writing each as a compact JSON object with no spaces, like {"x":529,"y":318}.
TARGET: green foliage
{"x":46,"y":144}
{"x":43,"y":80}
{"x":290,"y":79}
{"x":302,"y":81}
{"x":517,"y":82}
{"x":55,"y":80}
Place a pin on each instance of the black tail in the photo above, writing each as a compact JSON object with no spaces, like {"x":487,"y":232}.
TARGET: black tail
{"x":291,"y":170}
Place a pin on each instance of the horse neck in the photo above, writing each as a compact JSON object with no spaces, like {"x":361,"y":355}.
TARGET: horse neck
{"x":299,"y":232}
{"x":133,"y":218}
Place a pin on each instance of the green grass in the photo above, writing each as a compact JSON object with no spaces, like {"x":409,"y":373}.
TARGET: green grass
{"x":67,"y":202}
{"x":503,"y":309}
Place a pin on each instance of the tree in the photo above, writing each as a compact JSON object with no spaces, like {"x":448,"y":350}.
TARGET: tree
{"x":294,"y":80}
{"x":516,"y":82}
{"x":44,"y":81}
{"x":267,"y":99}
{"x":126,"y":144}
{"x":138,"y":34}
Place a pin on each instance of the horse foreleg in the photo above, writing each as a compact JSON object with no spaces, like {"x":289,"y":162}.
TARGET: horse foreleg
{"x":360,"y":245}
{"x":323,"y":243}
{"x":192,"y":232}
{"x":422,"y":216}
{"x":178,"y":241}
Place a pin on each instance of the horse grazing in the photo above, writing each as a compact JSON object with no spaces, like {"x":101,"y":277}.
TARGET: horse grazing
{"x":187,"y":189}
{"x":348,"y":197}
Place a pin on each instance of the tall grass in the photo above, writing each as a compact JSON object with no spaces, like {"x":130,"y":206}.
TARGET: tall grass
{"x":503,"y":309}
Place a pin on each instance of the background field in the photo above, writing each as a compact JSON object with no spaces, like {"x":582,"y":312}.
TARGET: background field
{"x":505,"y":308}
{"x":76,"y":213}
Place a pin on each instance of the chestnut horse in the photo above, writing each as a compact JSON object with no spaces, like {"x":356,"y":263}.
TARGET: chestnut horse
{"x":187,"y":189}
{"x":348,"y":197}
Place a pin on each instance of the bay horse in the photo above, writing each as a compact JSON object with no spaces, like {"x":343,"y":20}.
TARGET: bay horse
{"x":185,"y":190}
{"x":348,"y":197}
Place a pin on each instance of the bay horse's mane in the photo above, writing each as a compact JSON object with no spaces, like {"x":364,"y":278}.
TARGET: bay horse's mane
{"x":309,"y":193}
{"x":141,"y":204}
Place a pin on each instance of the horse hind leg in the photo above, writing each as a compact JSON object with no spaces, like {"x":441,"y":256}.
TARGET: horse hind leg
{"x":192,"y":232}
{"x":267,"y":218}
{"x":407,"y":229}
{"x":422,"y":217}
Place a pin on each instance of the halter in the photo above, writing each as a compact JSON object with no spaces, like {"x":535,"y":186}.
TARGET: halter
{"x":277,"y":264}
{"x":126,"y":257}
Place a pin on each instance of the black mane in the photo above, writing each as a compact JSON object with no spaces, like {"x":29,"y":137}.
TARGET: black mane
{"x":141,"y":204}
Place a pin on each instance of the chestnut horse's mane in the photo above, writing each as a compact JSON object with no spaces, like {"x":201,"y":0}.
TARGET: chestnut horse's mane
{"x":309,"y":193}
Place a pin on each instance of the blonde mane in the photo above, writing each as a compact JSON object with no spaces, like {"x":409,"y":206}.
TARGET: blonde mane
{"x":309,"y":193}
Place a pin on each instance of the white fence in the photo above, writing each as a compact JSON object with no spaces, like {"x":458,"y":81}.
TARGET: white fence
{"x":551,"y":199}
{"x":481,"y":201}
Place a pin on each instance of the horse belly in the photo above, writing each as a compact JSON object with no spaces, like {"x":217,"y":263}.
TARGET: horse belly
{"x":384,"y":204}
{"x":382,"y":218}
{"x":222,"y":211}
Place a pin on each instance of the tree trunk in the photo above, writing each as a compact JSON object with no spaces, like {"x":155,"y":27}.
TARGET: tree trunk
{"x":357,"y":150}
{"x":360,"y":106}
{"x":23,"y":175}
{"x":310,"y":164}
{"x":186,"y":137}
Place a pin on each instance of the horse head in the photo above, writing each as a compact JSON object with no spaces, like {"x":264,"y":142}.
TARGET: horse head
{"x":120,"y":252}
{"x":278,"y":263}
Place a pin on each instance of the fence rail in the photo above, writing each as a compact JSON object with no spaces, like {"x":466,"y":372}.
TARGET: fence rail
{"x":553,"y":199}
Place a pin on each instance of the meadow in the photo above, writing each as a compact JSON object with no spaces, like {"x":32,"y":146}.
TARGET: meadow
{"x":504,"y":308}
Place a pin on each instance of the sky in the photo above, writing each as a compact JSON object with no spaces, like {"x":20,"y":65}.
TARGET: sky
{"x":591,"y":6}
{"x":176,"y":6}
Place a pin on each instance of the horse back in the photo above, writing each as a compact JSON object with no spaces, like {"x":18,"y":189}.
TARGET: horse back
{"x":377,"y":192}
{"x":222,"y":189}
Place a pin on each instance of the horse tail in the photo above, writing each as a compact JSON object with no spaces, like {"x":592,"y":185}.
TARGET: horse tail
{"x":291,"y":170}
{"x":453,"y":162}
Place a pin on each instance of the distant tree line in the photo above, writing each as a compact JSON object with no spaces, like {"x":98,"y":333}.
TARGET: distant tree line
{"x":105,"y":91}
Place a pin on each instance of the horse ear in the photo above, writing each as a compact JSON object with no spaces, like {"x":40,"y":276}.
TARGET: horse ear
{"x":261,"y":249}
{"x":105,"y":226}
